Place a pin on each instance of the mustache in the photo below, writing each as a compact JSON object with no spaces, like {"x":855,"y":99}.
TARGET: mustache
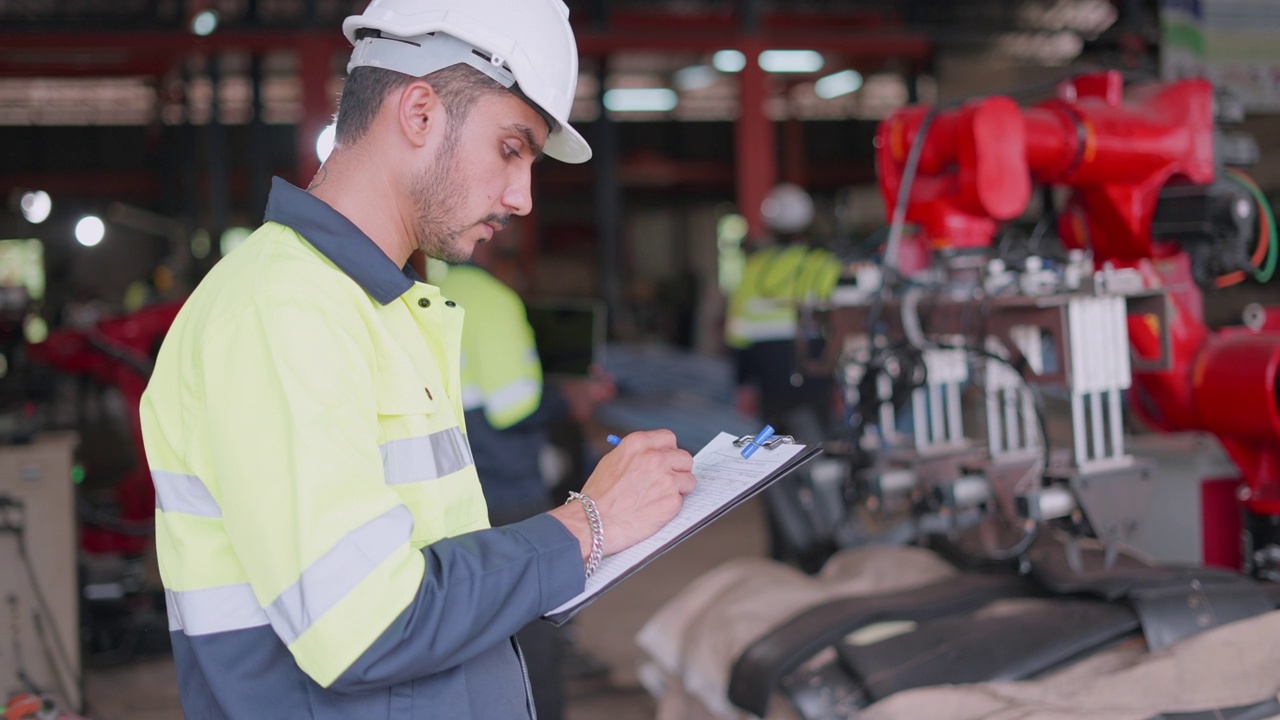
{"x":498,"y":221}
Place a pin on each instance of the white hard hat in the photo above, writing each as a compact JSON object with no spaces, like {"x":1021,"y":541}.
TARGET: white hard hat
{"x":526,"y":45}
{"x":787,"y":208}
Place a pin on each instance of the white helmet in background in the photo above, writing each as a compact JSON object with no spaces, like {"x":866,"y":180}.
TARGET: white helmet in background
{"x":787,"y":208}
{"x":525,"y":45}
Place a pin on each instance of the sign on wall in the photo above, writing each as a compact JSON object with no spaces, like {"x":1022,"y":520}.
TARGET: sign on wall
{"x":1234,"y":43}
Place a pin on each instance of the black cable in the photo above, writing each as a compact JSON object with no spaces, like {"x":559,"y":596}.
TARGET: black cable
{"x":1030,"y":531}
{"x":109,"y":520}
{"x":909,"y":169}
{"x":48,"y":656}
{"x":19,"y":660}
{"x":44,"y":607}
{"x":911,"y":374}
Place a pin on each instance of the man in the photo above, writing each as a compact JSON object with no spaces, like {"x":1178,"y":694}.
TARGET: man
{"x":509,"y":410}
{"x":320,"y":529}
{"x":761,"y":318}
{"x":761,"y":325}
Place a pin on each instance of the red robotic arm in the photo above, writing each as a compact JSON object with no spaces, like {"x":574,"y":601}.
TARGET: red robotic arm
{"x":1116,"y":153}
{"x":979,"y":161}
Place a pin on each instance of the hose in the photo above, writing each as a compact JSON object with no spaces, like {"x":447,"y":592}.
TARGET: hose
{"x":1267,"y":231}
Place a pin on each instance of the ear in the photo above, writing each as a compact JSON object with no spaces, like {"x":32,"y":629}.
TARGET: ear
{"x":420,"y":112}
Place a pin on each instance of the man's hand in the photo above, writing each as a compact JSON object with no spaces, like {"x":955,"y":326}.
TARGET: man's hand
{"x":638,"y":487}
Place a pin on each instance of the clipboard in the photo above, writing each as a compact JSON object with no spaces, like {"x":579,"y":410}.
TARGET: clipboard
{"x":726,"y":479}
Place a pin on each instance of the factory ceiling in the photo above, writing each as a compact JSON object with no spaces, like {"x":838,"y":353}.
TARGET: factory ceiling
{"x":156,"y":63}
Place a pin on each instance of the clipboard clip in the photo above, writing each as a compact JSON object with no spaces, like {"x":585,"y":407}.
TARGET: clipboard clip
{"x":763,"y":439}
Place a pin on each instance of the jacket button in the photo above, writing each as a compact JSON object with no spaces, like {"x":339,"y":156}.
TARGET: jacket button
{"x":450,"y":303}
{"x":424,"y":302}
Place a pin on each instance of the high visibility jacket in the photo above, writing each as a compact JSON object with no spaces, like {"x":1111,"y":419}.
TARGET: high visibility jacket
{"x":775,"y":281}
{"x":320,"y":529}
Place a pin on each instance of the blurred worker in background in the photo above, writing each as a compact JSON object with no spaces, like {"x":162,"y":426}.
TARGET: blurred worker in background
{"x":509,"y":411}
{"x":321,"y":531}
{"x":761,"y":327}
{"x":762,"y":316}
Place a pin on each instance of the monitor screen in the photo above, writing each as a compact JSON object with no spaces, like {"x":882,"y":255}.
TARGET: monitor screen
{"x":569,"y":332}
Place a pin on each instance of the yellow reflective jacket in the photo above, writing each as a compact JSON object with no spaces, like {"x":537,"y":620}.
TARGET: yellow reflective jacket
{"x":320,"y":527}
{"x":775,"y":281}
{"x":501,"y":374}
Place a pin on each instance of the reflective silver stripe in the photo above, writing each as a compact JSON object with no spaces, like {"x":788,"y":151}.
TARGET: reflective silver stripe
{"x":764,"y":329}
{"x":338,"y":572}
{"x":178,"y":493}
{"x":214,"y":610}
{"x":472,"y":397}
{"x":762,"y":306}
{"x":512,"y":394}
{"x":427,"y":457}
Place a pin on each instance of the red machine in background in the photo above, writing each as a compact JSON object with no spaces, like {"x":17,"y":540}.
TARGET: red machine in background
{"x":1148,"y":195}
{"x":985,"y":398}
{"x":118,"y":352}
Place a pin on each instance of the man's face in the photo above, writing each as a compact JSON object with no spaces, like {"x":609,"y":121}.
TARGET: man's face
{"x":478,"y":178}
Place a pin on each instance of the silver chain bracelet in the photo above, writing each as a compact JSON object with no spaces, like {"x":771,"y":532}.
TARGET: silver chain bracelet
{"x":597,"y":530}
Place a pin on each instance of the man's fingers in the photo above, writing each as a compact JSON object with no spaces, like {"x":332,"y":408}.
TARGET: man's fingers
{"x":652,"y":439}
{"x":681,"y":461}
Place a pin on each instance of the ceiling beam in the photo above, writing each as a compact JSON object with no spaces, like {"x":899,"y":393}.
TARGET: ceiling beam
{"x":149,"y":52}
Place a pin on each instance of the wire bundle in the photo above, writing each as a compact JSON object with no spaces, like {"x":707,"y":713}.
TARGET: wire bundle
{"x":1264,"y":255}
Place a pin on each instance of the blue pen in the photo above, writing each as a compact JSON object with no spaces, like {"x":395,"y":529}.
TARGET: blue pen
{"x":613,"y":439}
{"x":762,"y":437}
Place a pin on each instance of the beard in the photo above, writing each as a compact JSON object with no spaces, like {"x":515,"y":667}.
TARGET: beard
{"x":440,"y":198}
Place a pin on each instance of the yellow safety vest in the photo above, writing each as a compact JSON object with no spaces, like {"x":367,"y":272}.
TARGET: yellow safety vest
{"x":501,"y":373}
{"x":774,"y":282}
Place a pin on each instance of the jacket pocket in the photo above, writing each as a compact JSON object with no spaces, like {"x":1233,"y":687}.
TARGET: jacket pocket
{"x":401,"y":392}
{"x":401,"y":702}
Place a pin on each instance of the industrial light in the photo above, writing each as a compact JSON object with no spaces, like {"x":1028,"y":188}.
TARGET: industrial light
{"x":695,"y":77}
{"x":35,"y":329}
{"x":36,"y":206}
{"x":204,"y":22}
{"x":201,"y":244}
{"x":233,"y":238}
{"x":324,"y":143}
{"x":640,"y":99}
{"x":1089,"y":18}
{"x":841,"y":83}
{"x":729,"y":61}
{"x":791,"y":61}
{"x":90,"y":230}
{"x":1054,"y":48}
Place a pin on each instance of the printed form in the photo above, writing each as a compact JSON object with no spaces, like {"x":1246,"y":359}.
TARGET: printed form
{"x":725,"y":479}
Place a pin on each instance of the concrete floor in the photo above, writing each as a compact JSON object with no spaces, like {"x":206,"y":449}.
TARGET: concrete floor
{"x":146,"y":690}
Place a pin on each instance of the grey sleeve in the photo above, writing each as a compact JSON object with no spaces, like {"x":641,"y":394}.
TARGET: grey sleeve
{"x":477,"y":591}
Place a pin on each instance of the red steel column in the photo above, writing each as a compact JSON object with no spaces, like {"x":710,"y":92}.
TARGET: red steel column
{"x":314,"y":63}
{"x":756,"y":145}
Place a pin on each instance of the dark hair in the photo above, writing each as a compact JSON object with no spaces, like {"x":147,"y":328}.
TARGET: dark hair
{"x":458,"y":86}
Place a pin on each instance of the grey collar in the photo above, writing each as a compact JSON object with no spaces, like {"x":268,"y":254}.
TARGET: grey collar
{"x":338,"y":239}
